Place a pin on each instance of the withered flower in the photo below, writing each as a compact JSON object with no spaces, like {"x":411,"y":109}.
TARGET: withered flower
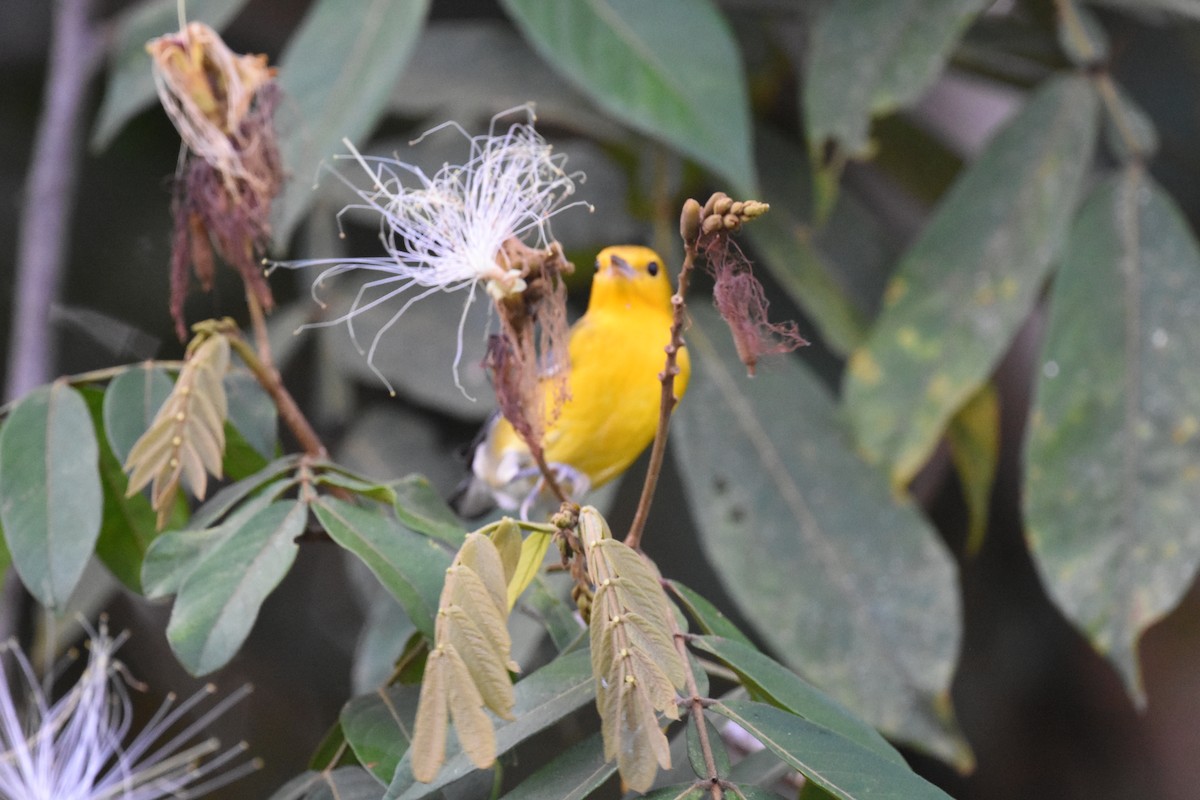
{"x":223,"y":105}
{"x":737,"y":294}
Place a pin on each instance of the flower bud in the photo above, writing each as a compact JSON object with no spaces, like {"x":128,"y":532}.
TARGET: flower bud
{"x":722,"y":205}
{"x":711,"y":225}
{"x":689,"y":221}
{"x":731,"y":222}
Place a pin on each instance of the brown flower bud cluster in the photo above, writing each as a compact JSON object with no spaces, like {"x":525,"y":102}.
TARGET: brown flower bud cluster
{"x":721,"y":214}
{"x":737,"y":294}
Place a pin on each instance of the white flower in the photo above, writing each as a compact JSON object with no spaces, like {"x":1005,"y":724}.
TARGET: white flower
{"x":444,"y":233}
{"x":76,"y":748}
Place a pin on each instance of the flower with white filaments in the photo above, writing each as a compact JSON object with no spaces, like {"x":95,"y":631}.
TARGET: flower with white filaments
{"x":79,"y":747}
{"x":444,"y":233}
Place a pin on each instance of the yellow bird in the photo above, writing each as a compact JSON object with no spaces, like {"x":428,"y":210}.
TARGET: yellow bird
{"x":616,"y":353}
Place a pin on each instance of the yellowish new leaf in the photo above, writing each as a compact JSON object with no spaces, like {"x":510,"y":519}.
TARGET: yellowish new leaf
{"x":529,"y":562}
{"x":186,"y":440}
{"x":429,"y":734}
{"x":471,"y":723}
{"x":507,"y":538}
{"x":487,"y":666}
{"x":479,"y":555}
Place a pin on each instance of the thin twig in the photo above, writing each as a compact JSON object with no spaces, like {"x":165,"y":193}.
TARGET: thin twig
{"x":668,"y":401}
{"x":268,"y":377}
{"x":697,"y":703}
{"x":49,"y":194}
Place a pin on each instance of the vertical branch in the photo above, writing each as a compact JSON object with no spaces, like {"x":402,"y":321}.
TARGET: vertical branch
{"x":46,"y":215}
{"x":668,"y":399}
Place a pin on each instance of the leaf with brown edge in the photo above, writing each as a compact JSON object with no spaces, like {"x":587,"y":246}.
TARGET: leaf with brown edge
{"x":429,"y":729}
{"x":637,"y":668}
{"x":186,"y":440}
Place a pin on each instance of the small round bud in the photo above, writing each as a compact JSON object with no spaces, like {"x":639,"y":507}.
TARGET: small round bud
{"x":731,"y":222}
{"x":711,"y":225}
{"x":737,"y":207}
{"x":689,"y":221}
{"x":711,"y":203}
{"x":722,"y":205}
{"x":754,"y":208}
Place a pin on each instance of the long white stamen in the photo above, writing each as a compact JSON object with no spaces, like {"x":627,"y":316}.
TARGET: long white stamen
{"x":444,"y":232}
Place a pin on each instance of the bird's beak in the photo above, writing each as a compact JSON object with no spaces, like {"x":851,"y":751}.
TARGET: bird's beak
{"x":622,"y":267}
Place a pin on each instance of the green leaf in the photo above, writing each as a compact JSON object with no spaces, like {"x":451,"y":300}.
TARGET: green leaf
{"x":769,"y":491}
{"x":130,"y":82}
{"x":542,"y":699}
{"x":337,"y":73}
{"x":344,"y":783}
{"x":219,"y":600}
{"x":834,"y":763}
{"x":240,"y":459}
{"x":573,"y":774}
{"x":682,"y":791}
{"x":220,"y":503}
{"x":252,"y":413}
{"x":708,"y":616}
{"x":1150,"y":8}
{"x":547,"y":600}
{"x":51,"y":498}
{"x":381,"y":493}
{"x":974,"y":439}
{"x":420,"y":507}
{"x":408,"y":565}
{"x":173,"y":555}
{"x":970,"y":280}
{"x":379,"y":726}
{"x":385,"y":634}
{"x":130,"y":403}
{"x":670,"y":69}
{"x":1112,"y":487}
{"x":758,"y":793}
{"x":129,"y":523}
{"x":770,"y":681}
{"x":870,"y":57}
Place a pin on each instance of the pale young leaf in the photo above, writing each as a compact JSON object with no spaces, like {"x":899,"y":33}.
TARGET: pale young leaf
{"x":479,"y":555}
{"x":429,"y":729}
{"x":487,"y":670}
{"x":186,"y":440}
{"x":507,"y":538}
{"x":466,"y":590}
{"x":471,"y":723}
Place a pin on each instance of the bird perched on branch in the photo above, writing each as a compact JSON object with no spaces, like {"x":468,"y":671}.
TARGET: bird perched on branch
{"x":610,"y":414}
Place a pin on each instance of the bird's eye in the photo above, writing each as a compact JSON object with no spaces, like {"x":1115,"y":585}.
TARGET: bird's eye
{"x":652,"y":268}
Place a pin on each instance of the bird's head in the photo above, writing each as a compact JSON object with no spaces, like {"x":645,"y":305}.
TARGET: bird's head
{"x":630,"y":274}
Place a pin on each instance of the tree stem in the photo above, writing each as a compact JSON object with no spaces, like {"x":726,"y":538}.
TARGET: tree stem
{"x":49,"y":194}
{"x":667,"y":403}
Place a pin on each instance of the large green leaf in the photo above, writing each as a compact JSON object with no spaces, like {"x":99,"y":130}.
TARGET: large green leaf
{"x":420,"y":507}
{"x":838,"y":765}
{"x":786,"y":508}
{"x":51,"y":498}
{"x":173,"y":556}
{"x":252,"y":413}
{"x":378,"y":727}
{"x":542,"y":699}
{"x":670,"y":68}
{"x":869,"y":57}
{"x":1154,"y":8}
{"x":219,"y":600}
{"x":344,"y":783}
{"x":1112,"y":492}
{"x":129,"y":524}
{"x":573,"y":774}
{"x":971,"y":278}
{"x":130,"y":83}
{"x":772,"y":682}
{"x":337,"y":73}
{"x":410,"y":566}
{"x":130,"y":403}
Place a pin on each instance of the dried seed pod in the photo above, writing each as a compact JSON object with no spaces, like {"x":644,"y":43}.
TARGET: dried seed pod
{"x":689,"y":220}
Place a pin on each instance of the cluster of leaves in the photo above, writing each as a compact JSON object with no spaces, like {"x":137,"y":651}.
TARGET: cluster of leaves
{"x":1060,"y":197}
